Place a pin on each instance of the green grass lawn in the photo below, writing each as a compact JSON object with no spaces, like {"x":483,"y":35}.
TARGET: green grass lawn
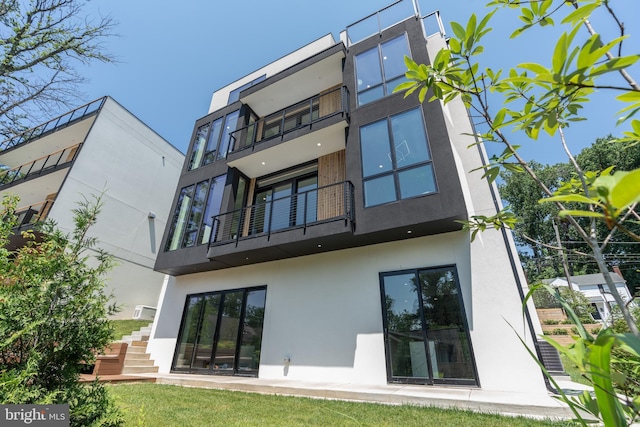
{"x":126,"y":326}
{"x":165,"y":405}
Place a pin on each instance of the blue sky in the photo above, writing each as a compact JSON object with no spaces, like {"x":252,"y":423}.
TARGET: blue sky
{"x":174,"y":55}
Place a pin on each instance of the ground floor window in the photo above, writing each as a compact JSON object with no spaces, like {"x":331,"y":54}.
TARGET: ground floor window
{"x":426,"y":333}
{"x":221,"y":332}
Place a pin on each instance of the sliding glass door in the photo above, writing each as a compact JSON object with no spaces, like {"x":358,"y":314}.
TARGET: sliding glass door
{"x":221,"y":332}
{"x":426,"y":333}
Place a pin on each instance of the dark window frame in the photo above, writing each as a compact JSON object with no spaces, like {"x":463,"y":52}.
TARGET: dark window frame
{"x":213,"y":181}
{"x":395,"y":171}
{"x":430,"y":380}
{"x":212,"y":371}
{"x":384,"y":80}
{"x":295,"y":182}
{"x":211,"y":151}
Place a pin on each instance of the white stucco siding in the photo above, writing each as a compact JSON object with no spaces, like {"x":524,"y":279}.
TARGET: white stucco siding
{"x":137,"y":170}
{"x":477,"y":192}
{"x":324,"y":312}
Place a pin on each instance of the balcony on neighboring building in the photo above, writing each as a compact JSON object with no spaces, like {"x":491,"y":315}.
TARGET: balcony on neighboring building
{"x":304,"y":223}
{"x":298,"y":133}
{"x":26,"y":218}
{"x":38,"y":167}
{"x":54,"y":125}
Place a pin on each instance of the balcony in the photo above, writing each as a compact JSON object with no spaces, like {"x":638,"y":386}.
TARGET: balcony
{"x":313,"y":74}
{"x":38,"y":167}
{"x":26,"y":217}
{"x":291,"y":226}
{"x":54,"y":125}
{"x":310,"y":128}
{"x":32,"y":214}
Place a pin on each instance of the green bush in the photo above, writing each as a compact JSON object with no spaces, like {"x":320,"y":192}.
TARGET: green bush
{"x":550,"y":322}
{"x":53,"y":316}
{"x":559,"y":331}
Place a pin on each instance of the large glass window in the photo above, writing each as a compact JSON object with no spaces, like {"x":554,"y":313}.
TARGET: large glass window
{"x":212,"y":140}
{"x":381,"y":69}
{"x":198,"y":147}
{"x":192,"y":219}
{"x":396,"y":163}
{"x":285,"y":200}
{"x":221,"y":332}
{"x":426,"y":333}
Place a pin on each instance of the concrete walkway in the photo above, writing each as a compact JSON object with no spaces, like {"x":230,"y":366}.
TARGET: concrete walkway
{"x":508,"y":403}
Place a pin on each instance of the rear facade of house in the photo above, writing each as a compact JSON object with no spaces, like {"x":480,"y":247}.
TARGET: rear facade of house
{"x":313,"y":234}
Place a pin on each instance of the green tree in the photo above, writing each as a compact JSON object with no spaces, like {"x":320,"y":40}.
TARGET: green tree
{"x":53,"y":317}
{"x":40,"y":42}
{"x":528,"y":99}
{"x":534,"y":231}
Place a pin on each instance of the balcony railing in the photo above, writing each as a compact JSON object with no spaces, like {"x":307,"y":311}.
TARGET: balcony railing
{"x":39,"y":166}
{"x":325,"y":204}
{"x":381,"y":20}
{"x":34,"y":213}
{"x":432,"y":24}
{"x":304,"y":113}
{"x":53,"y":124}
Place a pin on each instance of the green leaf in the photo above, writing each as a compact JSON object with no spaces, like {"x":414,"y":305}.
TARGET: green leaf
{"x":614,"y":64}
{"x":536,"y":68}
{"x":580,"y":13}
{"x":560,"y":54}
{"x":626,"y":191}
{"x":568,"y":198}
{"x":581,"y":213}
{"x":608,"y":403}
{"x":631,"y":96}
{"x":404,"y":86}
{"x":458,"y":30}
{"x":455,"y":45}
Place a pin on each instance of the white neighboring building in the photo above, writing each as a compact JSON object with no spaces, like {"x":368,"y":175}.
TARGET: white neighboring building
{"x":99,"y":147}
{"x":594,"y":287}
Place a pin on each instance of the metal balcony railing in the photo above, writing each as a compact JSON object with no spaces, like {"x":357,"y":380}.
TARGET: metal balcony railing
{"x":381,"y":20}
{"x":38,"y":166}
{"x":54,"y":124}
{"x":432,"y":24}
{"x":304,"y":113}
{"x":34,"y":213}
{"x":325,"y":204}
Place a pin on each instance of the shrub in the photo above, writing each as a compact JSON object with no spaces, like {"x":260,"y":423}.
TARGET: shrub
{"x":53,"y":316}
{"x":559,"y":331}
{"x":550,"y":322}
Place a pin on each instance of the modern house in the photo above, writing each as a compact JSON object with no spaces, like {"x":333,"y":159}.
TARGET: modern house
{"x":313,"y":234}
{"x":595,"y":288}
{"x":98,"y":148}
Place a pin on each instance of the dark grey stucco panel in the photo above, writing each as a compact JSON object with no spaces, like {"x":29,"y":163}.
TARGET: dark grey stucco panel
{"x":438,"y":209}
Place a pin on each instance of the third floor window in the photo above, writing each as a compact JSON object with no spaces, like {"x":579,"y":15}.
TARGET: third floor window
{"x":381,"y":69}
{"x":212,"y":140}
